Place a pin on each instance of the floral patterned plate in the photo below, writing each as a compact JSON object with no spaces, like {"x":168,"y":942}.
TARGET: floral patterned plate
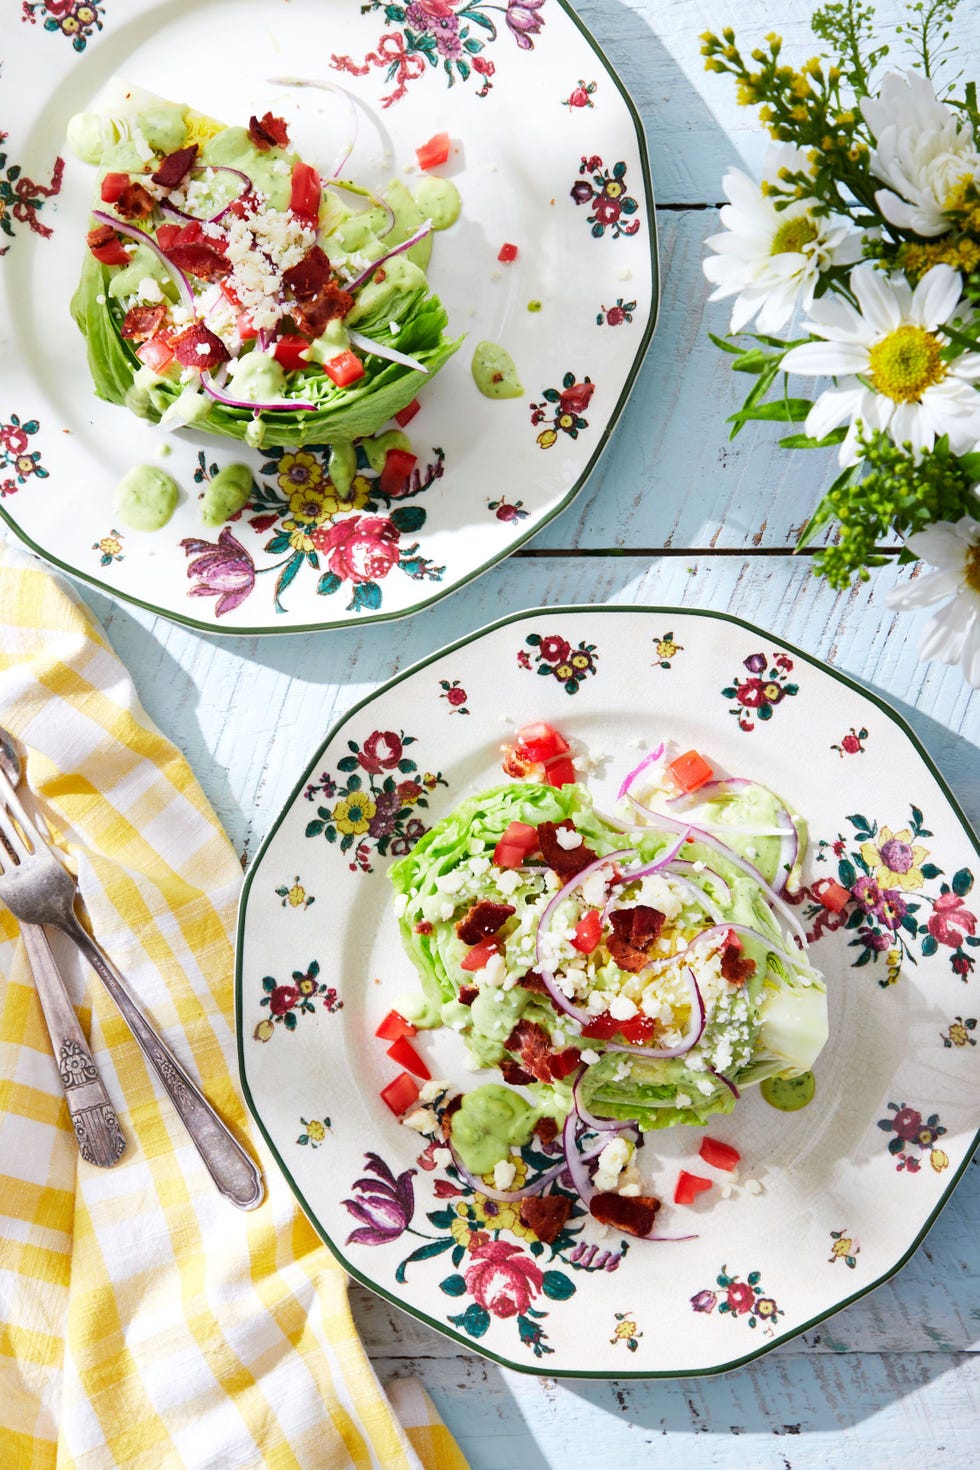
{"x":830,"y":1200}
{"x":549,"y":156}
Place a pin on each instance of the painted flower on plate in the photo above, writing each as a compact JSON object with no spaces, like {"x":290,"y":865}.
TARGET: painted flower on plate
{"x":225,"y":569}
{"x":771,"y":260}
{"x":887,"y":355}
{"x":950,"y":922}
{"x":384,"y":1205}
{"x":523,"y":21}
{"x":502,"y":1279}
{"x":952,"y":634}
{"x":896,"y":859}
{"x":923,"y":151}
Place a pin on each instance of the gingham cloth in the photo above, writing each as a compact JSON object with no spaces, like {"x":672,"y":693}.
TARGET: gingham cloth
{"x":144,"y":1321}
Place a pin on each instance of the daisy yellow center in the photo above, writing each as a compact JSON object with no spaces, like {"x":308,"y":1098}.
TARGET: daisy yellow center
{"x":906,"y":362}
{"x":793,"y":235}
{"x":973,"y":569}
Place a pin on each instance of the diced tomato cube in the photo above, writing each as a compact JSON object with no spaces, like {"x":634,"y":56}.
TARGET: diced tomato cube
{"x":517,"y":843}
{"x":167,"y":237}
{"x":398,"y":465}
{"x":507,"y":253}
{"x":480,"y":954}
{"x":690,"y":771}
{"x":400,"y":1094}
{"x":720,"y":1155}
{"x":405,"y":415}
{"x":831,"y":894}
{"x":155,"y":353}
{"x":344,"y":369}
{"x":639,"y":1031}
{"x":564,"y":1063}
{"x":588,"y":932}
{"x":403,"y":1052}
{"x":540,"y":741}
{"x":304,"y":197}
{"x":394,"y":1026}
{"x":230,"y":294}
{"x":601,"y":1028}
{"x":243,"y":326}
{"x":112,"y":253}
{"x":435,"y":152}
{"x":560,"y":772}
{"x":112,"y":186}
{"x":288,"y":353}
{"x":689,"y":1186}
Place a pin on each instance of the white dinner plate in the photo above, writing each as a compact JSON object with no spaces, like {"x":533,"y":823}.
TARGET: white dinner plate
{"x":549,"y":155}
{"x":829,"y":1200}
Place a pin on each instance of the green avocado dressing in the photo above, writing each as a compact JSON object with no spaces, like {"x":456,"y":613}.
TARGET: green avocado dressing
{"x":163,"y":126}
{"x":398,"y":276}
{"x":494,"y":372}
{"x":439,"y":201}
{"x":144,"y":265}
{"x":257,"y":377}
{"x":226,"y":493}
{"x":270,"y":172}
{"x":146,"y":497}
{"x":376,"y":448}
{"x":789,"y":1094}
{"x":489,"y":1122}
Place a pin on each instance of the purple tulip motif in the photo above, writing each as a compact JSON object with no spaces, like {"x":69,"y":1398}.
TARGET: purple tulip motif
{"x":384,"y":1206}
{"x":225,"y":569}
{"x":524,"y":21}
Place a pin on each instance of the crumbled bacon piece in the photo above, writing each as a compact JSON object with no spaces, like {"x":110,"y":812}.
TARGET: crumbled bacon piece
{"x":632,"y":1213}
{"x":268,"y":132}
{"x":546,"y":1131}
{"x":135,"y":202}
{"x":533,"y":981}
{"x":308,"y":276}
{"x":735,"y":968}
{"x":482,"y":920}
{"x":197,"y":259}
{"x":332,"y":303}
{"x":186,"y":347}
{"x":514,"y":1074}
{"x":565,"y":861}
{"x":142,"y":322}
{"x":175,"y":167}
{"x":101,"y":236}
{"x":546,"y":1215}
{"x":634,"y":930}
{"x":452,"y":1106}
{"x":533,"y":1046}
{"x":423,"y":926}
{"x":467,"y":994}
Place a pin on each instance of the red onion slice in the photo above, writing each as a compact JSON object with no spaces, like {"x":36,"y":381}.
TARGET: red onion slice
{"x":210,"y":219}
{"x":381,"y":349}
{"x":727,"y":1081}
{"x":506,"y":1196}
{"x":598,"y":1125}
{"x":216,"y":391}
{"x":683,"y":866}
{"x":324,"y":86}
{"x":648,"y":760}
{"x":574,"y":1161}
{"x":547,"y":975}
{"x":142,"y":238}
{"x":420,"y":234}
{"x":700,"y":897}
{"x":691,"y":1038}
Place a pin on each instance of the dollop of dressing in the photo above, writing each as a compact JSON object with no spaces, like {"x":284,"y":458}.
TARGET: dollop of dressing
{"x":494,"y":371}
{"x":789,"y":1094}
{"x":489,"y":1121}
{"x":227,"y":493}
{"x":146,"y":497}
{"x":439,"y":201}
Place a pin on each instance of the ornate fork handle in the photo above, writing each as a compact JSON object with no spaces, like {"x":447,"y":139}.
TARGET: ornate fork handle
{"x":100,"y":1138}
{"x":231,"y":1168}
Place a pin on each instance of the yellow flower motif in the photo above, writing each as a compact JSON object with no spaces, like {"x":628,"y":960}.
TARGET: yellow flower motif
{"x":478,"y":1213}
{"x":353,"y":813}
{"x":264,"y":1031}
{"x":580,"y":661}
{"x":843,"y":1247}
{"x":666,"y":648}
{"x":296,"y":896}
{"x":308,"y":506}
{"x":625,"y":1329}
{"x":307,"y":986}
{"x":895,"y":860}
{"x":893,"y":960}
{"x":316,"y":1130}
{"x":298,"y":539}
{"x":109,"y":546}
{"x":546,"y":438}
{"x":939,"y":1159}
{"x":614,"y":189}
{"x":354,"y":499}
{"x":85,"y":15}
{"x":958,"y":1034}
{"x":563,"y":671}
{"x":566,"y":420}
{"x":299,"y":471}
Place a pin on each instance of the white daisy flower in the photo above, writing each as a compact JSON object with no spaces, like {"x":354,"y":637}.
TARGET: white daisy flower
{"x":952,"y":634}
{"x":771,"y":259}
{"x":887,"y":359}
{"x":923,"y":151}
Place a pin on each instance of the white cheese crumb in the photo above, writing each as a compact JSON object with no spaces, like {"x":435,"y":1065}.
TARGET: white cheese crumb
{"x":493,"y":973}
{"x":590,"y":1057}
{"x":452,"y":881}
{"x":150,"y":290}
{"x":422,"y":1120}
{"x":568,"y":840}
{"x":705,"y":1085}
{"x":508,"y":880}
{"x":622,"y":1008}
{"x":431,"y":1090}
{"x":612,"y":1161}
{"x":682,"y":1100}
{"x":629,"y":1189}
{"x":753,"y":1186}
{"x":504,"y":1174}
{"x":442,"y":1157}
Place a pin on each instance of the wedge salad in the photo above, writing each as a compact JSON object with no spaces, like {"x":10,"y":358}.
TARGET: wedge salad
{"x":622,"y":972}
{"x":228,"y":286}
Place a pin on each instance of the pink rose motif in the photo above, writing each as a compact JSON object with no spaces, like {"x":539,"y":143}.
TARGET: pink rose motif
{"x":615,"y":316}
{"x":741,"y":1297}
{"x":12,"y":439}
{"x":752,"y":693}
{"x":282,"y":999}
{"x":554,"y":649}
{"x":456,"y":697}
{"x":502,"y":1280}
{"x":907,"y":1123}
{"x":851,"y":744}
{"x":382,"y":751}
{"x":950,"y":920}
{"x":482,"y":65}
{"x":607,"y":211}
{"x":360,"y":548}
{"x":577,"y":398}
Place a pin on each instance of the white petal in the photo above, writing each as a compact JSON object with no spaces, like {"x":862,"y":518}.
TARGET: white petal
{"x":834,"y":407}
{"x":876,"y":299}
{"x":838,"y":321}
{"x":939,"y":544}
{"x":970,"y":657}
{"x":780,"y":303}
{"x":925,"y":589}
{"x":935,"y":297}
{"x":945,"y":633}
{"x":825,"y":359}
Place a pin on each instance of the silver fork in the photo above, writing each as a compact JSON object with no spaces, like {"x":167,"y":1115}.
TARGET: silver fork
{"x":39,"y":890}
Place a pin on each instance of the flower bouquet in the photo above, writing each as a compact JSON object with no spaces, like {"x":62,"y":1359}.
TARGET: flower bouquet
{"x":867,"y":221}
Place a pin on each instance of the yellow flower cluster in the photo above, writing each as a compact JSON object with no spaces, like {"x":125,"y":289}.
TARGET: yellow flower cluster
{"x":961,"y":253}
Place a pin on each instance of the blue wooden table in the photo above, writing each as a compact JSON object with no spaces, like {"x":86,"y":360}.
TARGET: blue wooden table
{"x":675,"y":514}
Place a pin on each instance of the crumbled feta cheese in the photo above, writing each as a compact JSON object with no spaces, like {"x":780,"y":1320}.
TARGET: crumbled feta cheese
{"x":202,"y":349}
{"x":504,"y":1174}
{"x":442,"y":1157}
{"x":753,"y":1186}
{"x":593,"y":890}
{"x":429,"y":1091}
{"x":622,"y":1008}
{"x":612,"y":1161}
{"x":568,"y":839}
{"x":630,"y":1190}
{"x":590,"y":1057}
{"x":452,"y":881}
{"x":705,"y":1085}
{"x":422,"y":1120}
{"x":596,"y":1002}
{"x":493,"y":973}
{"x":682,"y":1100}
{"x":150,"y":290}
{"x":394,"y":328}
{"x":508,"y":880}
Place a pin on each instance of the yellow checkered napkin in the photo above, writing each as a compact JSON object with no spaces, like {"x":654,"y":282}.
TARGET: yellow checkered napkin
{"x":144,"y":1321}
